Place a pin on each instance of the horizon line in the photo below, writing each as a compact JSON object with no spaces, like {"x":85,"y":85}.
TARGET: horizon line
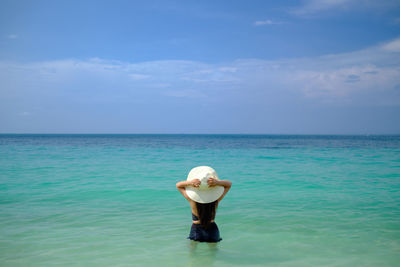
{"x":341,"y":134}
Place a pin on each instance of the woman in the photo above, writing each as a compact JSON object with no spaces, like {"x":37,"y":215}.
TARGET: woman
{"x":204,"y":191}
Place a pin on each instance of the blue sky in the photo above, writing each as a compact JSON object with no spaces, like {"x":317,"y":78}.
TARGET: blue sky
{"x":295,"y":67}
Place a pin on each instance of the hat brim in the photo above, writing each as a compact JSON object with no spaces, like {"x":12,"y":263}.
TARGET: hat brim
{"x":205,"y":196}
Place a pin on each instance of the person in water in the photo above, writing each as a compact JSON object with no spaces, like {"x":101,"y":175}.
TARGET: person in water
{"x":204,"y":191}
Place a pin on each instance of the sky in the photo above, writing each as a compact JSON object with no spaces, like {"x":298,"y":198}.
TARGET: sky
{"x":200,"y":67}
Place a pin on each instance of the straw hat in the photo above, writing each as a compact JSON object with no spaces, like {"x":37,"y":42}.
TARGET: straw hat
{"x":203,"y":193}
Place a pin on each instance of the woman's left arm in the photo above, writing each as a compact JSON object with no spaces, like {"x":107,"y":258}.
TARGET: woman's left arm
{"x":225,"y":183}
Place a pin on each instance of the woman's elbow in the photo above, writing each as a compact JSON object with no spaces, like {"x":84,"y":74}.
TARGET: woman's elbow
{"x":179,"y":185}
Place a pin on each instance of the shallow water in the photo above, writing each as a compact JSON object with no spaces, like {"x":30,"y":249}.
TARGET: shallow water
{"x":110,"y":200}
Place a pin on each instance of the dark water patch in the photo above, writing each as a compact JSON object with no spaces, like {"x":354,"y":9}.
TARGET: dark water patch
{"x":41,"y":142}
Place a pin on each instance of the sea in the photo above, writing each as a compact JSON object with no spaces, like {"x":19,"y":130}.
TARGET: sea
{"x":111,"y":200}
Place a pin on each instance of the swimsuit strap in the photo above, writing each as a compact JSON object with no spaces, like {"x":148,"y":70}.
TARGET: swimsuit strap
{"x":194,"y":217}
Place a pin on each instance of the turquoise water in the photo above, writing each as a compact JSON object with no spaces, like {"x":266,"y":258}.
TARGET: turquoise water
{"x":110,"y":200}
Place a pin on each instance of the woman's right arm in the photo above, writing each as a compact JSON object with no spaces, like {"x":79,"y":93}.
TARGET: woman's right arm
{"x":181,"y":186}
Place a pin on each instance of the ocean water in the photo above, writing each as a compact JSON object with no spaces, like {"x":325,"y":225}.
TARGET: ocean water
{"x":110,"y":200}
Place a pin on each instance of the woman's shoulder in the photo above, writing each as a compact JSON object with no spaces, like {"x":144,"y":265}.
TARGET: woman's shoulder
{"x":192,"y":203}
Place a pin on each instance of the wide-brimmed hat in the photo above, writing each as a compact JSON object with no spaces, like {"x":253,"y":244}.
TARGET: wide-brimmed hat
{"x":203,"y":193}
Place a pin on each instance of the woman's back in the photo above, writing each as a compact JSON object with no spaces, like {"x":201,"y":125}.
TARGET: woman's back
{"x":205,"y":212}
{"x":204,"y":191}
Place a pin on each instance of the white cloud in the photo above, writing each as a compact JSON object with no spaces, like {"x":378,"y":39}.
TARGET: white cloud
{"x":373,"y":72}
{"x":12,"y":36}
{"x":136,"y":76}
{"x":213,"y":74}
{"x":24,"y":113}
{"x":310,"y":7}
{"x":393,"y":46}
{"x":344,"y":82}
{"x":321,"y":5}
{"x":266,"y":22}
{"x":185,"y":93}
{"x":88,"y":95}
{"x":227,"y":69}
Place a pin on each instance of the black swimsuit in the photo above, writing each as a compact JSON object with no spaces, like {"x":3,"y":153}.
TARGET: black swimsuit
{"x":202,"y":234}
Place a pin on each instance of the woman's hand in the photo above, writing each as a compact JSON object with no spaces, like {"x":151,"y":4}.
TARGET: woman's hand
{"x":212,"y":182}
{"x":183,"y":184}
{"x":195,"y":182}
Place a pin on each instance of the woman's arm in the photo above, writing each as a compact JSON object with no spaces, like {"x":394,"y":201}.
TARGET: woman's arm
{"x":225,"y":183}
{"x":181,"y":186}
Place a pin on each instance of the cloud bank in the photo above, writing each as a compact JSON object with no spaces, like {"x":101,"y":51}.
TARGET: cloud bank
{"x":312,"y":7}
{"x":188,"y":96}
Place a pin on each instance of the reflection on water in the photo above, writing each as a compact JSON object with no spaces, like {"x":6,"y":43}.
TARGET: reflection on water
{"x":202,"y":253}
